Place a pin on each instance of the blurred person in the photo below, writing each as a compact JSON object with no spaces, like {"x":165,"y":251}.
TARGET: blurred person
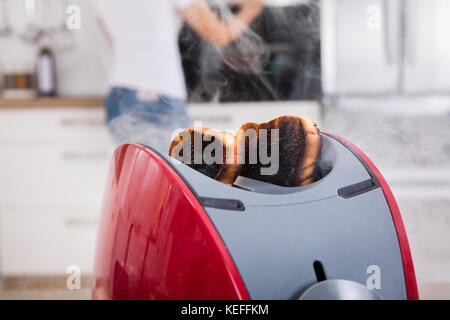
{"x":146,"y":102}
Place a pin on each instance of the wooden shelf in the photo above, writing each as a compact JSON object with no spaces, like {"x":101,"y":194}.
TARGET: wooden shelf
{"x":94,"y":102}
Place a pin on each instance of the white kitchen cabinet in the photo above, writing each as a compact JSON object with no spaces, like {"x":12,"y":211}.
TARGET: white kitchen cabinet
{"x":385,"y":48}
{"x":52,"y":158}
{"x":360,"y":46}
{"x":427,"y":46}
{"x":51,"y":176}
{"x":53,"y":166}
{"x":39,"y":243}
{"x":53,"y":125}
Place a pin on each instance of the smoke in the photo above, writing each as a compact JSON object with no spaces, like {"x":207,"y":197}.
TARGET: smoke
{"x":152,"y":124}
{"x":278,"y":58}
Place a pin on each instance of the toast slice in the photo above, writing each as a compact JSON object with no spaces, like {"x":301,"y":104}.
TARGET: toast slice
{"x":299,"y":148}
{"x":211,"y":153}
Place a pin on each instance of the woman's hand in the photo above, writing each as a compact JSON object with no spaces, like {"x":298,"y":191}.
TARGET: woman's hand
{"x":216,"y":31}
{"x":255,"y":4}
{"x":250,"y":10}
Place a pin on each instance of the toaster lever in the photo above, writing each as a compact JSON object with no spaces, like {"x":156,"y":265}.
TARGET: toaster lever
{"x":319,"y":271}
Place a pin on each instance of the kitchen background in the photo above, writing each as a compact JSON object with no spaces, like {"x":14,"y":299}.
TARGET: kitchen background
{"x":373,"y":71}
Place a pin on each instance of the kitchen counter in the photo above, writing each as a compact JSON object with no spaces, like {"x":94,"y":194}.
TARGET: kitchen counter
{"x":211,"y":114}
{"x":93,"y":102}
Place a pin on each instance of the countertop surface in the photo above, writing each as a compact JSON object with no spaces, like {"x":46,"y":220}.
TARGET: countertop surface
{"x":93,"y":102}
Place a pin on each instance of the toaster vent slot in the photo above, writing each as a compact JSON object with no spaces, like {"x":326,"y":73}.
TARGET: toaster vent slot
{"x":224,"y":204}
{"x":358,"y":188}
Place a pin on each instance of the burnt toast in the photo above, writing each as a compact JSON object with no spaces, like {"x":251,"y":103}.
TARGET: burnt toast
{"x":222,"y":167}
{"x":299,"y":147}
{"x":294,"y":143}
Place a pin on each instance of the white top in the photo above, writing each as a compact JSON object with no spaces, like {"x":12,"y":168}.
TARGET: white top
{"x":145,"y":36}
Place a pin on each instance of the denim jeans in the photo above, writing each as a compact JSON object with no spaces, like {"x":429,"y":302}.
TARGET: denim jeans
{"x":150,"y":122}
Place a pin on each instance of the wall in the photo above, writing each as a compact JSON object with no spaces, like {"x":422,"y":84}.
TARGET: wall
{"x":83,"y":56}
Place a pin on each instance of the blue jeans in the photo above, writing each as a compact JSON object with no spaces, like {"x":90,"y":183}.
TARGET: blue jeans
{"x":153,"y":123}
